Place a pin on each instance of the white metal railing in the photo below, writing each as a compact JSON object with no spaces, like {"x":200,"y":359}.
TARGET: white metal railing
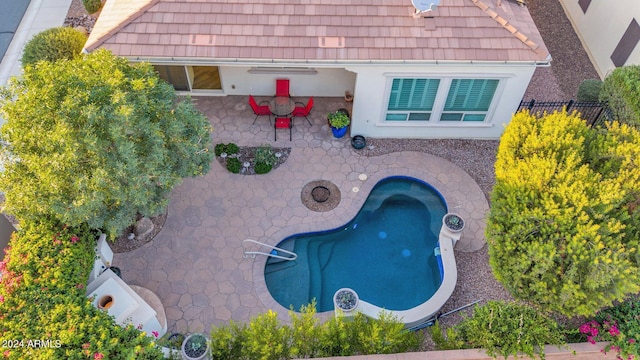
{"x":274,"y":253}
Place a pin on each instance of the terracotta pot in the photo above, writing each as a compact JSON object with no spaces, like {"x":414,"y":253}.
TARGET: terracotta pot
{"x":105,"y":302}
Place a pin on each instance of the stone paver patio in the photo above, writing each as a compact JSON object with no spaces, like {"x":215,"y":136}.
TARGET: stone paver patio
{"x":196,"y":264}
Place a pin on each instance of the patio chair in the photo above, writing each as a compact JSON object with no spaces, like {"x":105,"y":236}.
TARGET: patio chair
{"x":303,"y":110}
{"x":282,"y":123}
{"x":259,"y":109}
{"x":282,"y":88}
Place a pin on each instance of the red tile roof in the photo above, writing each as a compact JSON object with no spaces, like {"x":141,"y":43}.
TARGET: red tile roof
{"x":321,"y":30}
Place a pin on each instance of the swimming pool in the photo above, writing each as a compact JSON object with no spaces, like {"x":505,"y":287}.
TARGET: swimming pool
{"x":388,"y":253}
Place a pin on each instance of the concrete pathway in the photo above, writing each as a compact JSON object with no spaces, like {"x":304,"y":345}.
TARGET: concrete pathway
{"x":196,"y":263}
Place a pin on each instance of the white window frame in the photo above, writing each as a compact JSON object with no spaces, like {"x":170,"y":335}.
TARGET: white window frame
{"x":440,"y":100}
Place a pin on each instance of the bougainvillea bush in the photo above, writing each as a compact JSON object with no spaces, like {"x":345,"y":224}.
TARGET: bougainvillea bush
{"x":44,"y":312}
{"x":620,"y":325}
{"x":565,"y":213}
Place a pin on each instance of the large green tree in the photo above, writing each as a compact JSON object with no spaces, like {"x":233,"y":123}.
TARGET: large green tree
{"x":96,"y":140}
{"x":565,"y":213}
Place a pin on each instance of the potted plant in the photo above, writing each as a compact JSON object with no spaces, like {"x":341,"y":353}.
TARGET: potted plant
{"x":345,"y":300}
{"x":195,"y":347}
{"x":453,"y":222}
{"x":339,"y":121}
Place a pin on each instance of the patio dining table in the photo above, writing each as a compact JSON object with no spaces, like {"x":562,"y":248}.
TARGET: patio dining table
{"x":281,"y":105}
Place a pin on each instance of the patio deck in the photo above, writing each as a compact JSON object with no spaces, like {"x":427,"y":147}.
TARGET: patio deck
{"x":196,"y":264}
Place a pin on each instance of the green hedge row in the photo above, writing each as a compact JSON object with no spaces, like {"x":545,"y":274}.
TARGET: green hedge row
{"x":44,"y":312}
{"x":265,"y":338}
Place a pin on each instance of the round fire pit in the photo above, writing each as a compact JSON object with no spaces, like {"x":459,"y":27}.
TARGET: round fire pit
{"x":320,"y":195}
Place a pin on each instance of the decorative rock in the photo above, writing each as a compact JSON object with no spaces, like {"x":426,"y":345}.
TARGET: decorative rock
{"x":143,"y":227}
{"x":82,"y":29}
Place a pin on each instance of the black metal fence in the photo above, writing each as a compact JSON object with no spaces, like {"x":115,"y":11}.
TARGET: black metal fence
{"x":594,"y":113}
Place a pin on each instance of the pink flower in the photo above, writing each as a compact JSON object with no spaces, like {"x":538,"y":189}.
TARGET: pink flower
{"x":98,"y":356}
{"x":74,"y":239}
{"x":155,"y":333}
{"x":6,"y":353}
{"x":86,"y":345}
{"x":3,"y":266}
{"x":139,"y":327}
{"x":1,"y":299}
{"x":594,"y":331}
{"x":584,"y":329}
{"x":80,"y":286}
{"x":632,"y":341}
{"x":614,"y":331}
{"x":590,"y":339}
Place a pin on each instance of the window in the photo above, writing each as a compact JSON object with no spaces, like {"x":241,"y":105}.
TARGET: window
{"x":412,"y":99}
{"x":468,"y":99}
{"x":584,"y":5}
{"x":445,"y":100}
{"x":187,"y":78}
{"x":206,"y":78}
{"x":174,"y":75}
{"x":626,"y":45}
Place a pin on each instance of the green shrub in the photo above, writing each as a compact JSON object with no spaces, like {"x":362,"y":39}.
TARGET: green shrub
{"x":228,"y":149}
{"x":266,"y":338}
{"x":227,"y":342}
{"x":305,"y":332}
{"x":262,"y":168}
{"x":59,"y":43}
{"x":233,"y":165}
{"x":563,"y":228}
{"x":385,"y":335}
{"x":445,"y":340}
{"x":622,"y":90}
{"x":589,"y":90}
{"x":219,"y":149}
{"x":42,"y":296}
{"x":508,"y":329}
{"x":92,"y":6}
{"x":232,"y":148}
{"x":265,"y":155}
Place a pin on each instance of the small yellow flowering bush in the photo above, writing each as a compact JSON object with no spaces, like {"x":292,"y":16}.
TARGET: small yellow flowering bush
{"x":44,"y":312}
{"x":565,"y":213}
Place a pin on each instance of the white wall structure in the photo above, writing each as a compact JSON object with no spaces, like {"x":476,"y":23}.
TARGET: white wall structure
{"x":601,"y":25}
{"x":373,"y":87}
{"x":319,"y":82}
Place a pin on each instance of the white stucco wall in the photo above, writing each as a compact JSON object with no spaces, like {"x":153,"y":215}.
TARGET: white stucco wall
{"x":601,"y":28}
{"x":237,"y":80}
{"x":372,"y":93}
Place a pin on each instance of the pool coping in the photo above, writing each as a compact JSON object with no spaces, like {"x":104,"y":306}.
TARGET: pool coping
{"x":472,"y":208}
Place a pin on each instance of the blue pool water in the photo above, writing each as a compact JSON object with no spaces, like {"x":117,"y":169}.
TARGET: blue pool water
{"x":386,"y":253}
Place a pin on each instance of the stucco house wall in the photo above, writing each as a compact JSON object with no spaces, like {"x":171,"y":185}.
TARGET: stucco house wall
{"x":372,"y":98}
{"x":601,"y":27}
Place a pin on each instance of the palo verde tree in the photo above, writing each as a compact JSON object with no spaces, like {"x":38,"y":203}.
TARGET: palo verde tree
{"x":96,"y":140}
{"x":565,"y":213}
